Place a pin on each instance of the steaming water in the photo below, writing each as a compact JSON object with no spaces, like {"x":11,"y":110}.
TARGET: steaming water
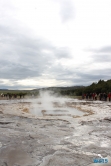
{"x":66,"y":111}
{"x":48,"y":105}
{"x":51,"y":105}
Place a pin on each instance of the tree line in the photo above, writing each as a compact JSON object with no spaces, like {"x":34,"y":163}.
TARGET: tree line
{"x":96,"y":87}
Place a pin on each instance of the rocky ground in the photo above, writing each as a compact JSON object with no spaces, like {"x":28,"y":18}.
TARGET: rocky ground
{"x":28,"y":140}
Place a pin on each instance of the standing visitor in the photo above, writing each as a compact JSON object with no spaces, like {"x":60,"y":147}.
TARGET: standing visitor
{"x":87,"y":96}
{"x":90,"y":96}
{"x":95,"y":96}
{"x":105,"y":96}
{"x":82,"y":96}
{"x":109,"y":96}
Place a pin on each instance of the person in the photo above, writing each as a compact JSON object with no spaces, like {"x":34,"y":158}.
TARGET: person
{"x":90,"y":96}
{"x":82,"y":96}
{"x":2,"y":95}
{"x":87,"y":96}
{"x":109,"y":96}
{"x":102,"y":96}
{"x":99,"y":96}
{"x":105,"y":96}
{"x":95,"y":96}
{"x":10,"y":96}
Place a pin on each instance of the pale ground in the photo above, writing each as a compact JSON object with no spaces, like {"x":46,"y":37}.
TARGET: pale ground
{"x":41,"y":132}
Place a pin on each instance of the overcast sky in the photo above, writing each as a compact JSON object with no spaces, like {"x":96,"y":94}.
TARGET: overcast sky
{"x":46,"y":43}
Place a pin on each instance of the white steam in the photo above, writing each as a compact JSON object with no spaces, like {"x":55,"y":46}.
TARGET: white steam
{"x":50,"y":104}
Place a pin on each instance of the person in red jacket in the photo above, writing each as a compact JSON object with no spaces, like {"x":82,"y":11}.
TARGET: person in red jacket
{"x":93,"y":96}
{"x":109,"y":96}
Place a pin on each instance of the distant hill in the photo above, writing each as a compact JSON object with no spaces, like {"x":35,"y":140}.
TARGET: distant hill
{"x":60,"y":88}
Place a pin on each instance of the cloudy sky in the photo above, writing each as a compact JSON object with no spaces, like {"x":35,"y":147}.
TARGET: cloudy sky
{"x":46,"y":43}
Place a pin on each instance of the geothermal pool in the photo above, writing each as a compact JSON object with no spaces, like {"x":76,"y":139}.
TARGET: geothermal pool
{"x":50,"y":105}
{"x":44,"y":107}
{"x":51,"y":110}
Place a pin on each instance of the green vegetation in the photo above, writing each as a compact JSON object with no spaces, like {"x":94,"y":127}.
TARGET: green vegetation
{"x":99,"y":87}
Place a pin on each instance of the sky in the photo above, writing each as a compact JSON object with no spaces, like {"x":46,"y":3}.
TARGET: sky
{"x":46,"y":43}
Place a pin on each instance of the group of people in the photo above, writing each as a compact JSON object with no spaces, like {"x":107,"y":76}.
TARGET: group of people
{"x":11,"y":96}
{"x":95,"y":96}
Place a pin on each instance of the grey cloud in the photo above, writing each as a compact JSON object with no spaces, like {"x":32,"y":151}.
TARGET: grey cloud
{"x":89,"y":80}
{"x":101,"y":58}
{"x":62,"y":53}
{"x":78,"y":77}
{"x":14,"y":71}
{"x":101,"y":55}
{"x":24,"y":56}
{"x":95,"y":74}
{"x":106,"y":49}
